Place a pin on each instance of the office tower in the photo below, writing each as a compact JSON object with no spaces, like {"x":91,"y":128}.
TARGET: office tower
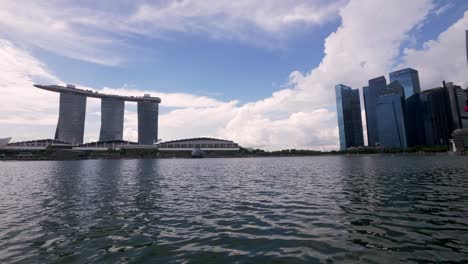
{"x":348,"y":106}
{"x":391,"y":119}
{"x":457,"y":98}
{"x":71,"y":122}
{"x":409,"y":79}
{"x":417,"y":118}
{"x":371,"y":95}
{"x":112,"y":119}
{"x":438,"y":118}
{"x":147,"y":122}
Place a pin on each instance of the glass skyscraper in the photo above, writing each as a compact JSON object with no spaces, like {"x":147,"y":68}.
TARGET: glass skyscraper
{"x":457,"y":98}
{"x":409,"y":79}
{"x":390,"y":112}
{"x":348,"y":106}
{"x":371,"y":95}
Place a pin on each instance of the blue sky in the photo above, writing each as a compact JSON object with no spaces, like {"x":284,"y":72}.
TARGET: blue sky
{"x":223,"y":69}
{"x":262,"y":72}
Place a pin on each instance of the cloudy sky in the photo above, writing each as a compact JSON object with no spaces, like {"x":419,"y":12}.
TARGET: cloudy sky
{"x":260,"y":72}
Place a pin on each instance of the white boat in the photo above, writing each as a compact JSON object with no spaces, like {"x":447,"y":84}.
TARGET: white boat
{"x":4,"y":141}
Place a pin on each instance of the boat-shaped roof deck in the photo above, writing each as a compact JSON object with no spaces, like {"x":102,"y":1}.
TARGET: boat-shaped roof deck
{"x":94,"y":94}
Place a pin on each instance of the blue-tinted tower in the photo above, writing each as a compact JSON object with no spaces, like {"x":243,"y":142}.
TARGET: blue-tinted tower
{"x":371,"y":95}
{"x":409,"y":79}
{"x":391,"y":125}
{"x":348,"y":106}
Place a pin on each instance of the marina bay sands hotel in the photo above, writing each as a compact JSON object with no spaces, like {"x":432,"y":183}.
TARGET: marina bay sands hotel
{"x":72,"y":111}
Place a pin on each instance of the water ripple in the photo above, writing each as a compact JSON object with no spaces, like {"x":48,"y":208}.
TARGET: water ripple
{"x":282,"y":210}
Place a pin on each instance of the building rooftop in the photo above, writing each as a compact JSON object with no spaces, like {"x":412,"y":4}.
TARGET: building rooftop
{"x":89,"y":93}
{"x":195,"y":139}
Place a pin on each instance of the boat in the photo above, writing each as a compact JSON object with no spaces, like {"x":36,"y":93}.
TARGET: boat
{"x":4,"y":141}
{"x":197,"y":153}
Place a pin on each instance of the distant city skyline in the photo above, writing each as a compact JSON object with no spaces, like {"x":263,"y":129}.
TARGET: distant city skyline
{"x":259,"y":73}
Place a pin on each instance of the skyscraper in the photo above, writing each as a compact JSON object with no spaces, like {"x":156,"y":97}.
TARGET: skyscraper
{"x":418,"y":126}
{"x":371,"y":95}
{"x":438,"y":118}
{"x":409,"y":79}
{"x":457,"y":99}
{"x":71,"y":122}
{"x":348,"y":106}
{"x":147,"y":122}
{"x":112,"y":119}
{"x":391,"y":119}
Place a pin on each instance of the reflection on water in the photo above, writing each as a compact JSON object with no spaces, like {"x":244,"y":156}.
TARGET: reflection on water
{"x":371,"y":209}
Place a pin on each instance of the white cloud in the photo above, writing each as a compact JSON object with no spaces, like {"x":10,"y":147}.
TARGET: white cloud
{"x":93,"y":32}
{"x":441,"y":59}
{"x":364,"y":46}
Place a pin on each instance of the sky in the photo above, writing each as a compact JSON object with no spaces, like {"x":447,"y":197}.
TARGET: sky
{"x":259,"y":72}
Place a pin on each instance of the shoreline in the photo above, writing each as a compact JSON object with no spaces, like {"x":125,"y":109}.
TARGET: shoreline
{"x":134,"y":157}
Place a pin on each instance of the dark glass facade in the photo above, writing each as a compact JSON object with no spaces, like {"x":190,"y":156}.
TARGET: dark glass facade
{"x":409,"y":79}
{"x":457,"y":98}
{"x":71,"y":122}
{"x":112,"y":118}
{"x":417,"y":119}
{"x":391,"y":116}
{"x":438,"y":118}
{"x":147,"y":122}
{"x":348,"y":106}
{"x":371,"y":95}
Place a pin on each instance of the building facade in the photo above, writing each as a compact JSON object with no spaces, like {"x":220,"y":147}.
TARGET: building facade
{"x":112,"y":118}
{"x":348,"y":106}
{"x":417,"y":119}
{"x":71,"y":122}
{"x":203,"y":143}
{"x":438,"y":119}
{"x":457,"y":98}
{"x":391,"y":116}
{"x":147,"y":122}
{"x":409,"y":79}
{"x":371,"y":95}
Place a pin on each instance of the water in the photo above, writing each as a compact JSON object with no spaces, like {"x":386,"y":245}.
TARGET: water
{"x":258,"y":210}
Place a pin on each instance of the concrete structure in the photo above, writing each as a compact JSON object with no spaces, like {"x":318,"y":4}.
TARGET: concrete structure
{"x":391,"y":116}
{"x":148,"y":122}
{"x":371,"y":94}
{"x":348,"y":107}
{"x":203,"y":143}
{"x":112,"y":118}
{"x":409,"y":79}
{"x":4,"y":141}
{"x":460,"y":141}
{"x":70,"y":127}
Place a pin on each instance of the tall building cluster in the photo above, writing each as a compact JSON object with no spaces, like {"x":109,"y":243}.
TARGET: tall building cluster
{"x":398,"y":114}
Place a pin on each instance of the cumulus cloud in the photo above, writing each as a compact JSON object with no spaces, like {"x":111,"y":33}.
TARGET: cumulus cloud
{"x":365,"y":45}
{"x":441,"y":59}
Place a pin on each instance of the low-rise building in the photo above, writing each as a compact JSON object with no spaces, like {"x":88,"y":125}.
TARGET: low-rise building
{"x":203,"y":143}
